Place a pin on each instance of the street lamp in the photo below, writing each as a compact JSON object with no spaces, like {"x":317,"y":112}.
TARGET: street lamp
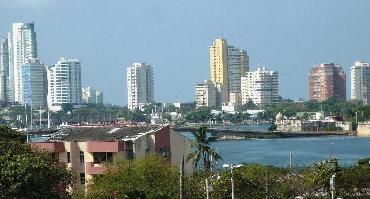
{"x":231,"y":166}
{"x":332,"y":185}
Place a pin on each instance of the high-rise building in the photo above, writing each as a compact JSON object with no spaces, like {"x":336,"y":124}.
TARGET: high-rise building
{"x":261,"y":87}
{"x":64,"y":84}
{"x":99,"y":96}
{"x":327,"y":80}
{"x":22,"y":46}
{"x":205,"y":94}
{"x":140,"y":85}
{"x":92,"y":96}
{"x":4,"y":68}
{"x":227,"y":65}
{"x":219,"y":70}
{"x":238,"y":65}
{"x":34,"y":83}
{"x":360,"y":82}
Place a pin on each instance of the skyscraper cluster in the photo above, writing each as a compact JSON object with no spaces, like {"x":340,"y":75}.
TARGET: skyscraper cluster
{"x":328,"y":80}
{"x":230,"y":79}
{"x":25,"y":80}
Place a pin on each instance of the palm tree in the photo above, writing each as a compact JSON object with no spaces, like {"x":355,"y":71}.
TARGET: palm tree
{"x":203,"y":150}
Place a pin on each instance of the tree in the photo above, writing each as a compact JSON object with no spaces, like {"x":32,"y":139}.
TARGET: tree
{"x":202,"y":150}
{"x":27,"y":172}
{"x":149,"y":177}
{"x":254,"y":181}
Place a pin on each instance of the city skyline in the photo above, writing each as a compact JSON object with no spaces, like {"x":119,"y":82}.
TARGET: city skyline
{"x":280,"y":42}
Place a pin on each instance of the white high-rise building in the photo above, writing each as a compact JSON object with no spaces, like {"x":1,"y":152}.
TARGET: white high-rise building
{"x":92,"y":96}
{"x":360,"y":82}
{"x":22,"y":46}
{"x":238,"y":65}
{"x":64,"y":84}
{"x":140,"y":85}
{"x":205,"y":94}
{"x":260,"y":86}
{"x":4,"y":68}
{"x":34,"y":83}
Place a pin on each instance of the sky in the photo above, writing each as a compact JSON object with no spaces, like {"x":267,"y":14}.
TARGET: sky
{"x":288,"y":36}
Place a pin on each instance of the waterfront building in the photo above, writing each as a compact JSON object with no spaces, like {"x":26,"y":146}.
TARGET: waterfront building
{"x":140,"y":85}
{"x":22,"y":46}
{"x":219,"y":70}
{"x":205,"y":94}
{"x":4,"y":68}
{"x":34,"y":83}
{"x":360,"y":82}
{"x":64,"y":84}
{"x":92,"y":96}
{"x":86,"y":149}
{"x":260,"y":86}
{"x":238,"y":65}
{"x":327,"y":80}
{"x":235,"y":98}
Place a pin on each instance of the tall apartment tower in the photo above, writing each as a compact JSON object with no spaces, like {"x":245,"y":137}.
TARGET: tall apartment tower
{"x":34,"y":83}
{"x":64,"y":84}
{"x":205,"y":94}
{"x":22,"y":46}
{"x":238,"y":65}
{"x":260,"y":86}
{"x":218,"y":52}
{"x":360,"y":82}
{"x":140,"y":85}
{"x":327,"y":80}
{"x":4,"y":68}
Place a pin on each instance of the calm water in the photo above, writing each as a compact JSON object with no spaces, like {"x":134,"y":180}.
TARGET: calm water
{"x":305,"y":151}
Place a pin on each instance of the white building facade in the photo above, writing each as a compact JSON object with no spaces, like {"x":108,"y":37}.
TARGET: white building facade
{"x":205,"y":94}
{"x":261,"y":87}
{"x":34,"y":83}
{"x":64,"y":84}
{"x":360,"y":82}
{"x":4,"y":68}
{"x":140,"y":85}
{"x":92,"y":96}
{"x":22,"y":46}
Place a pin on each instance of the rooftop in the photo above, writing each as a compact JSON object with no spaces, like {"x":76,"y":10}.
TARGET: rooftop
{"x":99,"y":133}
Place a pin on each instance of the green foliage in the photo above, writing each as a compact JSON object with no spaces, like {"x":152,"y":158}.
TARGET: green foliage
{"x":167,"y":117}
{"x":201,"y":114}
{"x":149,"y":177}
{"x":67,"y":108}
{"x":28,"y":173}
{"x":254,"y":181}
{"x":316,"y":178}
{"x":202,"y":151}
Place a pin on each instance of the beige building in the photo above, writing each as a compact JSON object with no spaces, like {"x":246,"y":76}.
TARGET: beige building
{"x":87,"y":149}
{"x":205,"y":94}
{"x":218,"y":69}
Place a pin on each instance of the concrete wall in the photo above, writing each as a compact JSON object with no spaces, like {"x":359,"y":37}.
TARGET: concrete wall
{"x":180,"y":145}
{"x":363,"y":129}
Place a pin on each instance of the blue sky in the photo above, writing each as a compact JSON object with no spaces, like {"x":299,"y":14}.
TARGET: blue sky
{"x":286,"y":35}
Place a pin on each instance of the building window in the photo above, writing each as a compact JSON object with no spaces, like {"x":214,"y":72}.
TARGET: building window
{"x":102,"y":157}
{"x":82,"y":178}
{"x":82,"y":156}
{"x":68,"y":157}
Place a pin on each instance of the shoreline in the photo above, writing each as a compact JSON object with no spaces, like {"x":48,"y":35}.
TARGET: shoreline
{"x":236,"y":134}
